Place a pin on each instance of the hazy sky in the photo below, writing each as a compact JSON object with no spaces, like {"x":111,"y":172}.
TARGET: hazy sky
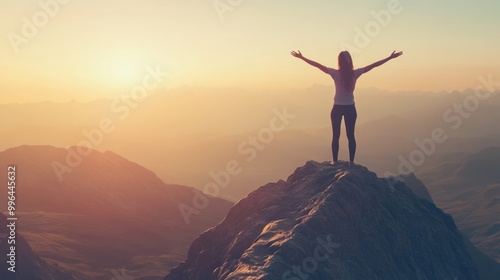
{"x":87,"y":49}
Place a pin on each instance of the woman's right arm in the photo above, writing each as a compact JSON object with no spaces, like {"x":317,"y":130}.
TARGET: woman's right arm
{"x":380,"y":62}
{"x":321,"y":67}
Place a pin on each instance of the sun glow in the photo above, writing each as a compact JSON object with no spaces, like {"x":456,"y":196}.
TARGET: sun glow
{"x":121,"y":69}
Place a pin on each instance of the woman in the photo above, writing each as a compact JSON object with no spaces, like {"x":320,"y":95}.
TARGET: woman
{"x":343,"y":106}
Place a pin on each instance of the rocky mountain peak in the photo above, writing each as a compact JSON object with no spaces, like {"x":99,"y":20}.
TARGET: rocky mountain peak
{"x":330,"y":222}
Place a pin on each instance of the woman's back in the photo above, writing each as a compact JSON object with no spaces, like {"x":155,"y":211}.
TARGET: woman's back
{"x":344,"y":95}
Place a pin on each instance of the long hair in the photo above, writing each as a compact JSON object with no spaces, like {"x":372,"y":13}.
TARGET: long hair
{"x":346,"y":70}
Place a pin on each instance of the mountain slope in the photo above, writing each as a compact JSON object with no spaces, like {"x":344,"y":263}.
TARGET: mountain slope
{"x":468,"y":187}
{"x":28,"y":265}
{"x":330,"y":222}
{"x":488,"y":268}
{"x":105,"y":215}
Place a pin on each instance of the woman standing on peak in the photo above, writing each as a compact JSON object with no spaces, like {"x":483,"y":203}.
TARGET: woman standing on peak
{"x":343,"y":106}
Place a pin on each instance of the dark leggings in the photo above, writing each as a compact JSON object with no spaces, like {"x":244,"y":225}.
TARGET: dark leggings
{"x":350,"y":115}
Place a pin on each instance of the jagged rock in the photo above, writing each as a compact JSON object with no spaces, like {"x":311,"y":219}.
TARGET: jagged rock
{"x":330,"y":222}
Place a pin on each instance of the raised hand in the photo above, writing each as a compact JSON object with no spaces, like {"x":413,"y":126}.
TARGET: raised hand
{"x":395,"y":54}
{"x":297,"y":54}
{"x":321,"y":67}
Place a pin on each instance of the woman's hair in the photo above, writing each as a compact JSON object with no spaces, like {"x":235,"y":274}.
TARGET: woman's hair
{"x":346,"y":69}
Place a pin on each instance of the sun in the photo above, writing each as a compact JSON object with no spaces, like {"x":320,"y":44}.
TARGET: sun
{"x":124,"y":72}
{"x":121,"y":69}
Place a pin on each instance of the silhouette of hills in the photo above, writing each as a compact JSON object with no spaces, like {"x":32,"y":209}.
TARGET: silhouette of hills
{"x":330,"y":222}
{"x":107,"y":214}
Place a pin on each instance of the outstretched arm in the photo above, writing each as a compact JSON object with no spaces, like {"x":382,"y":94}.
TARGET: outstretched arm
{"x":378,"y":63}
{"x":311,"y":62}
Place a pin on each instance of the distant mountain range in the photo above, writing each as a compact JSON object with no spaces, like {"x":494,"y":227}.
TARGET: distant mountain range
{"x":166,"y":130}
{"x":107,"y":214}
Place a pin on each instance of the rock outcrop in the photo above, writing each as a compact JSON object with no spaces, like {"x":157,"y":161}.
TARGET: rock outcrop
{"x":330,"y":222}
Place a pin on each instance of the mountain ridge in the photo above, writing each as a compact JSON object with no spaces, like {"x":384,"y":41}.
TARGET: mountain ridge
{"x":106,"y":215}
